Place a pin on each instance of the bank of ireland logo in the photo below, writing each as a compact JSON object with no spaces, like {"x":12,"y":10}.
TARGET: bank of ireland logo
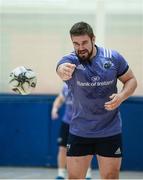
{"x":95,"y":78}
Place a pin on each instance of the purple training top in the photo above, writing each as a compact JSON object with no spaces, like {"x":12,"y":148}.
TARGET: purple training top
{"x":91,"y":85}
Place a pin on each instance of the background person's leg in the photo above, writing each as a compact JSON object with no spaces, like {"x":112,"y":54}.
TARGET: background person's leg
{"x":62,"y":162}
{"x":62,"y":140}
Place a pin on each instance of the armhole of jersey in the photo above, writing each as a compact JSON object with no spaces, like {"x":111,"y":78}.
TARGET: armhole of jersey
{"x":126,"y":69}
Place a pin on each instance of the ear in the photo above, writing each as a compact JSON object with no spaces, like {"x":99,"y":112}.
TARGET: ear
{"x":93,"y":39}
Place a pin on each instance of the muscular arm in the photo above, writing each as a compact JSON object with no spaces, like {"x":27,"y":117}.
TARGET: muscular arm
{"x":129,"y":86}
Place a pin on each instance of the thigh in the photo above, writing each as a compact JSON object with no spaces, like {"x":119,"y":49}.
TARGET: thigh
{"x":109,"y":156}
{"x":77,"y":166}
{"x":109,"y":167}
{"x":79,"y":155}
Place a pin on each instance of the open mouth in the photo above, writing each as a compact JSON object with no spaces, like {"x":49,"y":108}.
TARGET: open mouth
{"x":83,"y":52}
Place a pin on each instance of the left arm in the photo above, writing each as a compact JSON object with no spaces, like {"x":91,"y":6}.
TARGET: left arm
{"x":129,"y":85}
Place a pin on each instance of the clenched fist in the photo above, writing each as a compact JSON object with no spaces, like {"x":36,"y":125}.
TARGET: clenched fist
{"x":66,"y":70}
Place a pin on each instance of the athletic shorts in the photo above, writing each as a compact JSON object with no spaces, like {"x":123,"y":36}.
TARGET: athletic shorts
{"x":64,"y":133}
{"x":107,"y":146}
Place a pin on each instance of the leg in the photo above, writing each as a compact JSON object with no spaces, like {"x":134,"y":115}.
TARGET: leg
{"x":109,"y":167}
{"x":109,"y":156}
{"x":62,"y":140}
{"x":61,"y":161}
{"x":77,"y":166}
{"x":62,"y":157}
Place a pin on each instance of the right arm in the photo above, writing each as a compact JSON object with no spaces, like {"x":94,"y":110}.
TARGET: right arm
{"x":56,"y":106}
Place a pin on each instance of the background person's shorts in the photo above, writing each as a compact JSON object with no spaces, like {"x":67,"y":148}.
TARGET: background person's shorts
{"x":107,"y":146}
{"x":64,"y":133}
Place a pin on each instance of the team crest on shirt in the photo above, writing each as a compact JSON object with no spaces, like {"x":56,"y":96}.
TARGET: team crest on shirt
{"x":107,"y":64}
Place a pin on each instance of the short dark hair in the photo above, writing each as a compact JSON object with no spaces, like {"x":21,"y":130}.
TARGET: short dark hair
{"x":81,"y":28}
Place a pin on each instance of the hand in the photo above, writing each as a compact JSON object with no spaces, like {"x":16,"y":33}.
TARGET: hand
{"x":116,"y":100}
{"x":66,"y":70}
{"x":54,"y":113}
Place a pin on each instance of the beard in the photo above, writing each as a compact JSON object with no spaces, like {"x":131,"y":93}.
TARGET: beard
{"x":84,"y":55}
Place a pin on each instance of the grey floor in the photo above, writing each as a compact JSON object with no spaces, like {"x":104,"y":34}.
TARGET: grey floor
{"x":49,"y":173}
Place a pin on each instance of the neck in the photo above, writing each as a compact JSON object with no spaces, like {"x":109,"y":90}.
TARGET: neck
{"x":94,"y":52}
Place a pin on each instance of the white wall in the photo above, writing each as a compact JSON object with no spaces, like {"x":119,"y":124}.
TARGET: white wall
{"x":36,"y":34}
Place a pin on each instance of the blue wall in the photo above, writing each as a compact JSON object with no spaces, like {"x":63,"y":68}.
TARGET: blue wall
{"x":132,"y":115}
{"x":28,"y":135}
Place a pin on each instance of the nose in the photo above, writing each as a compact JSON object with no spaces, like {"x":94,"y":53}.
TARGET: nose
{"x":81,"y":47}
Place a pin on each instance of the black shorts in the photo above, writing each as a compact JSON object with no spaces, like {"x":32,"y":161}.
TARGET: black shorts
{"x":64,"y":133}
{"x":107,"y":146}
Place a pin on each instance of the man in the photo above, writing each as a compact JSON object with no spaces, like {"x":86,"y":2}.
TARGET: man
{"x":91,"y":73}
{"x":64,"y":97}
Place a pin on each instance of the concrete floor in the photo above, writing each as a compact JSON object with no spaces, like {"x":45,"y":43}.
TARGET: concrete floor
{"x":50,"y":173}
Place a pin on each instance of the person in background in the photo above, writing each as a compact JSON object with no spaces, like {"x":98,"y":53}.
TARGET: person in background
{"x":66,"y":98}
{"x":91,"y":73}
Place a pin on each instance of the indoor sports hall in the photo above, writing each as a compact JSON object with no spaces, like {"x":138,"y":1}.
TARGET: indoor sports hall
{"x":34,"y":34}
